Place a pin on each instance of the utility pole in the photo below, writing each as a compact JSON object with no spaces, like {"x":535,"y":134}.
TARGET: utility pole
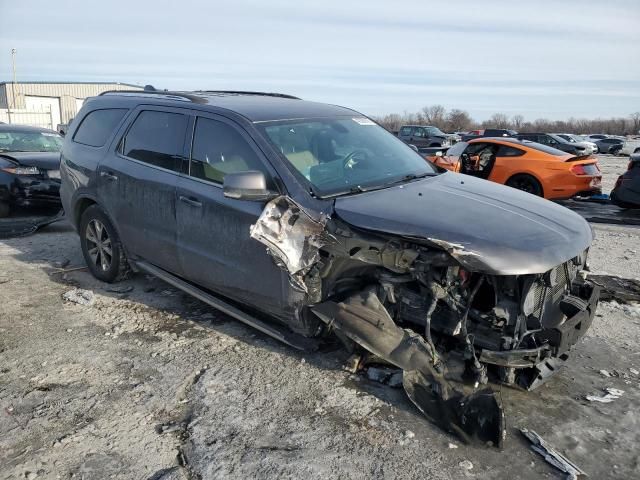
{"x":13,"y":86}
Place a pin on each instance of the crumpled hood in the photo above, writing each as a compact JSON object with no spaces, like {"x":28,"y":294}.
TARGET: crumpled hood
{"x":487,"y":227}
{"x":43,"y":160}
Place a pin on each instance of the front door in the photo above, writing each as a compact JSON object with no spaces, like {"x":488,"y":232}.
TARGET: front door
{"x":214,"y":245}
{"x":137,"y":184}
{"x":419,"y":137}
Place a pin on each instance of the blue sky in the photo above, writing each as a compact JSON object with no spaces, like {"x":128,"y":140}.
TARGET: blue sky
{"x":551,"y":59}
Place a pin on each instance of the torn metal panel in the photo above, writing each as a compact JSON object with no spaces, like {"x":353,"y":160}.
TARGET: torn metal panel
{"x":552,"y":456}
{"x":293,"y":238}
{"x":476,"y":418}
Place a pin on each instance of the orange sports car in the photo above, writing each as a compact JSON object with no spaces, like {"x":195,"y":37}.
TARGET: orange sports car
{"x":528,"y":166}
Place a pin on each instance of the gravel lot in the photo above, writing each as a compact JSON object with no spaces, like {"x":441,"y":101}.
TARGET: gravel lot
{"x":147,"y":383}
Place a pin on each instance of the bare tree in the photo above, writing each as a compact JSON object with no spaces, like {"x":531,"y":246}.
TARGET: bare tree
{"x":516,"y":122}
{"x":435,"y":115}
{"x":458,"y":120}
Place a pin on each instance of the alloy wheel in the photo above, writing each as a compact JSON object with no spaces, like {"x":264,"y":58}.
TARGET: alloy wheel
{"x":99,"y":244}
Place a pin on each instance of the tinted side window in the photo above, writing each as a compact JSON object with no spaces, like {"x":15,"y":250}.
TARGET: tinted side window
{"x":418,"y":132}
{"x":405,"y":131}
{"x":505,"y":151}
{"x":156,"y":138}
{"x":98,"y":125}
{"x":219,"y":149}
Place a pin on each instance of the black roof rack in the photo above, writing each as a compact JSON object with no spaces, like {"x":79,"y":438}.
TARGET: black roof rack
{"x":191,"y":96}
{"x":151,"y":93}
{"x":240,"y":92}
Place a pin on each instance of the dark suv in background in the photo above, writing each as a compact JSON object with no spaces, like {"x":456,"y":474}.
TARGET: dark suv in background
{"x":556,"y":141}
{"x":302,"y":219}
{"x":422,"y":136}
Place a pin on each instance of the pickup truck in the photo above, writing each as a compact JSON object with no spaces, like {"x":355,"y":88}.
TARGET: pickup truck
{"x":426,"y":136}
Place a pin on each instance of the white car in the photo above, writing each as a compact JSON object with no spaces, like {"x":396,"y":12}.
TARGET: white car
{"x":571,"y":138}
{"x":629,"y":147}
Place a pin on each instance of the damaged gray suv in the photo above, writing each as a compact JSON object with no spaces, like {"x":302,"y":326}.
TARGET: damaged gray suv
{"x":306,"y":220}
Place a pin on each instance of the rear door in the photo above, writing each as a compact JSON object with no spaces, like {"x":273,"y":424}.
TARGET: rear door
{"x":214,"y":246}
{"x":137,"y":183}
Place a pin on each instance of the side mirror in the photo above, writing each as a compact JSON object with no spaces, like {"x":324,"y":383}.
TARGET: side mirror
{"x":250,"y":185}
{"x":439,"y":154}
{"x":414,"y":148}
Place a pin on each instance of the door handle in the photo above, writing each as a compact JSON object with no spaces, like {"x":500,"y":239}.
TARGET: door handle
{"x":109,"y":176}
{"x":190,"y":201}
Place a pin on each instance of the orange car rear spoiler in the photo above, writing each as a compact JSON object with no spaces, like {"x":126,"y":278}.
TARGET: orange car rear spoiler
{"x":581,"y":157}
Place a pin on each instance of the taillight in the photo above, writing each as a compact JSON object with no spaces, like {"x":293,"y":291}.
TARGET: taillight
{"x":578,"y":170}
{"x":585,"y":169}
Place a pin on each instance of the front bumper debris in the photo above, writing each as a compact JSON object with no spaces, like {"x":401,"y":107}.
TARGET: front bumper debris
{"x":476,"y":418}
{"x":537,"y":365}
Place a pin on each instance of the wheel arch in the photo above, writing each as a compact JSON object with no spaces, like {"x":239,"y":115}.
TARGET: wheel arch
{"x":528,"y":174}
{"x":80,"y":207}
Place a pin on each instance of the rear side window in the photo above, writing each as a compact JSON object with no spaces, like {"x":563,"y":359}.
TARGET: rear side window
{"x":505,"y":151}
{"x":156,"y":138}
{"x":219,"y":149}
{"x":405,"y":131}
{"x":97,"y":126}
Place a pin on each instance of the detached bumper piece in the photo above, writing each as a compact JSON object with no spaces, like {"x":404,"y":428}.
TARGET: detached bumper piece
{"x":535,"y":366}
{"x":477,"y":418}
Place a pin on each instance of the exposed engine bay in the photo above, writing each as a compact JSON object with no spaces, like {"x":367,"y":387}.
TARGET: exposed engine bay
{"x":426,"y":306}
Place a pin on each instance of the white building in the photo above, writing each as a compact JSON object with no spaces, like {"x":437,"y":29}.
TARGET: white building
{"x":48,"y":104}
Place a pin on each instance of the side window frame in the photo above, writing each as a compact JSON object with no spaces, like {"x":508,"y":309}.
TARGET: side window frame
{"x":131,"y":120}
{"x":114,"y":131}
{"x":419,"y":132}
{"x":408,"y":131}
{"x":520,"y":151}
{"x":273,"y":178}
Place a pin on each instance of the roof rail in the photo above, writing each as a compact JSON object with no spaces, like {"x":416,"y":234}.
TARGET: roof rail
{"x":149,"y":93}
{"x":240,"y":92}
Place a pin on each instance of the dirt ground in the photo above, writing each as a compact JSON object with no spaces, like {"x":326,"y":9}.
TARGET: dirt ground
{"x":147,"y":383}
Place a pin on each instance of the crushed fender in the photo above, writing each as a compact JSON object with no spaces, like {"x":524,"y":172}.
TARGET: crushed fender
{"x":292,"y":237}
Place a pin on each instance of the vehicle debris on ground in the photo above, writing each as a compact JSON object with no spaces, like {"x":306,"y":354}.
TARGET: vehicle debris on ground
{"x":551,"y":455}
{"x":611,"y":395}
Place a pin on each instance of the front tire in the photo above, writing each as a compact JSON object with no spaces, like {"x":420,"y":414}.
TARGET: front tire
{"x":526,"y":183}
{"x":101,"y":246}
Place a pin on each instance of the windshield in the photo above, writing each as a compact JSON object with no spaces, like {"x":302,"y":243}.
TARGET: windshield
{"x":432,"y":131}
{"x":17,"y":141}
{"x":457,"y":149}
{"x":568,"y":138}
{"x":345,"y":155}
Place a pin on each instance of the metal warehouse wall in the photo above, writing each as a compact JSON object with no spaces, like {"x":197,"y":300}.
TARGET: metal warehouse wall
{"x":66,"y":92}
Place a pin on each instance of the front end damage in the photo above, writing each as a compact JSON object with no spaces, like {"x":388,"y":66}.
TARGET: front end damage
{"x":425,"y":306}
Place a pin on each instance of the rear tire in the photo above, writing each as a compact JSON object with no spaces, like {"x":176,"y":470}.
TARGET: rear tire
{"x":4,"y":210}
{"x":526,"y":183}
{"x":101,"y":246}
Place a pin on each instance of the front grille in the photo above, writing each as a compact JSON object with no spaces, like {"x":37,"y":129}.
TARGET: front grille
{"x":548,"y":290}
{"x":561,"y":284}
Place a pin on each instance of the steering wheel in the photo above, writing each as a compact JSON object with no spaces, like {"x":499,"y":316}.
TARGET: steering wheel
{"x":349,"y":160}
